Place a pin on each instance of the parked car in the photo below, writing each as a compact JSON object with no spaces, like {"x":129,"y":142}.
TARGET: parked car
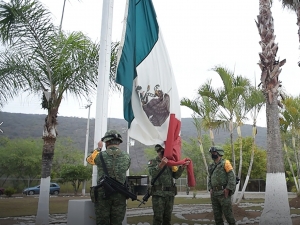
{"x":54,"y":189}
{"x":2,"y":191}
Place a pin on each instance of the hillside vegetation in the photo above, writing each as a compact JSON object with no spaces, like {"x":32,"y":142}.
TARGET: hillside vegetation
{"x":18,"y":125}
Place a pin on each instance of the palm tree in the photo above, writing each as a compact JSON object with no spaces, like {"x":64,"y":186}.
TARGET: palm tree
{"x":207,"y":111}
{"x":291,"y":119}
{"x":9,"y":87}
{"x":285,"y":123}
{"x":254,"y":103}
{"x":276,"y":208}
{"x":240,"y":112}
{"x":293,"y":5}
{"x":204,"y":116}
{"x":52,"y":64}
{"x":227,"y":97}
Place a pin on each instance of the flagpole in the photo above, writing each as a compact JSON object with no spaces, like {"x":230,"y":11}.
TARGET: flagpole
{"x":103,"y":77}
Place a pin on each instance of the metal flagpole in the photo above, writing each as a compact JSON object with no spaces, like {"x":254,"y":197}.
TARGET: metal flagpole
{"x":86,"y":144}
{"x":103,"y":77}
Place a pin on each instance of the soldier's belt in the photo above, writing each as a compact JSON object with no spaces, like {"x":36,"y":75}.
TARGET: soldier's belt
{"x":218,"y":188}
{"x":162,"y":188}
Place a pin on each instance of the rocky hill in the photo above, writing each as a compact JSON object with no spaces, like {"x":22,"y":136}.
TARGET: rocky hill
{"x":18,"y":125}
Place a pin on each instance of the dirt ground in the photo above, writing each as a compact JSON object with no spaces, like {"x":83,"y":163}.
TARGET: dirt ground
{"x":240,"y":213}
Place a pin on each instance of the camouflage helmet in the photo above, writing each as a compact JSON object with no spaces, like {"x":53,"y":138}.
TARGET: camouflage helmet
{"x":110,"y":135}
{"x":158,"y":147}
{"x":217,"y":149}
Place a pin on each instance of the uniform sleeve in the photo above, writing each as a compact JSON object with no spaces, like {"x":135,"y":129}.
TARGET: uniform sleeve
{"x":178,"y":173}
{"x":91,"y":158}
{"x":153,"y":167}
{"x":231,"y":184}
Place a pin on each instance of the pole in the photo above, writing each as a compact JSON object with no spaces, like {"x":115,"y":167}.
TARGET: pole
{"x":103,"y":77}
{"x":86,"y":145}
{"x":128,"y":143}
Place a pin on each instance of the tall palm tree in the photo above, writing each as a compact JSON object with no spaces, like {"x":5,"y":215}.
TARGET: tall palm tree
{"x":53,"y":64}
{"x":276,"y":208}
{"x":227,"y":97}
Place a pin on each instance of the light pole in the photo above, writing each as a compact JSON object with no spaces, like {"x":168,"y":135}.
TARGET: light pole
{"x":86,"y":143}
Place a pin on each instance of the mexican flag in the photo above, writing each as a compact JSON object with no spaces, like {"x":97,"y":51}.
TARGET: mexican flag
{"x":150,"y":97}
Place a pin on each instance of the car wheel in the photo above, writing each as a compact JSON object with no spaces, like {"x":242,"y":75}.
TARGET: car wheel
{"x":30,"y":192}
{"x":55,"y":192}
{"x":1,"y":193}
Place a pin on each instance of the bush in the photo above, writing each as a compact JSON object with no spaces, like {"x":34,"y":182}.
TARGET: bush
{"x":9,"y":191}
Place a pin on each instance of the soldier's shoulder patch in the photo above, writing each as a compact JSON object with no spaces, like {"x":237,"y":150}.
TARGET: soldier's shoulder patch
{"x":228,"y":166}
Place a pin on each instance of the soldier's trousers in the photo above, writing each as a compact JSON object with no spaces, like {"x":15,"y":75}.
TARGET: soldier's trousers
{"x":220,"y":206}
{"x":162,"y":209}
{"x":110,"y":211}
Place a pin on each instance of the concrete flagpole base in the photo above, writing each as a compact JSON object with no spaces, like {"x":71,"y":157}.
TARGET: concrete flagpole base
{"x":82,"y":212}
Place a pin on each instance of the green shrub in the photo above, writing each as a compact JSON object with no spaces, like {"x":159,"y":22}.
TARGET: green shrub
{"x":9,"y":191}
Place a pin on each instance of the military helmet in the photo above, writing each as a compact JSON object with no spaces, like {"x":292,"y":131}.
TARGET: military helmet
{"x":158,"y":147}
{"x":217,"y":149}
{"x":110,"y":135}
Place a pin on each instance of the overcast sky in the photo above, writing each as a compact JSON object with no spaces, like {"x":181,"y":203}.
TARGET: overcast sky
{"x":199,"y":35}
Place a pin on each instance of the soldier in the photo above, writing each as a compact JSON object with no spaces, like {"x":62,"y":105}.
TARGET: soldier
{"x":164,"y":189}
{"x":111,"y":210}
{"x":221,"y":185}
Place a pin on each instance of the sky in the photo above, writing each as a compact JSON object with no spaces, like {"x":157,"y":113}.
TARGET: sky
{"x":199,"y":35}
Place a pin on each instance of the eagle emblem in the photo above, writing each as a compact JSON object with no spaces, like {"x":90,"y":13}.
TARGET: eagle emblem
{"x":156,"y":105}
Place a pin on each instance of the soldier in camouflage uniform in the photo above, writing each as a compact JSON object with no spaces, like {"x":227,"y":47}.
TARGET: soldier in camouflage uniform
{"x":112,"y":209}
{"x":221,"y":184}
{"x":164,"y":189}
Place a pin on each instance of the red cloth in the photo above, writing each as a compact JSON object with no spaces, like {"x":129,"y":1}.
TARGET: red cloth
{"x":173,"y":149}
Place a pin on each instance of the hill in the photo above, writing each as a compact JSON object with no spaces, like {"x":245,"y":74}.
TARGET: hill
{"x":18,"y":125}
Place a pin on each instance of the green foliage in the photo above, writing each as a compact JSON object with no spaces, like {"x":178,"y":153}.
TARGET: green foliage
{"x":150,"y":153}
{"x":21,"y":159}
{"x":75,"y":174}
{"x":259,"y":167}
{"x":9,"y":191}
{"x":191,"y":150}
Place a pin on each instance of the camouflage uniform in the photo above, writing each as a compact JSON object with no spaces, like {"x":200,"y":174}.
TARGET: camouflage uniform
{"x":111,"y":211}
{"x":163,"y":191}
{"x":220,"y":178}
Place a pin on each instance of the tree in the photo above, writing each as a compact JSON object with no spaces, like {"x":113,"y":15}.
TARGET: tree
{"x":20,"y":158}
{"x":191,"y":150}
{"x":52,"y":64}
{"x":276,"y":208}
{"x":227,"y":97}
{"x":75,"y":174}
{"x":293,"y":5}
{"x":205,"y":112}
{"x":254,"y":103}
{"x":285,"y":122}
{"x":291,"y":120}
{"x":259,"y":163}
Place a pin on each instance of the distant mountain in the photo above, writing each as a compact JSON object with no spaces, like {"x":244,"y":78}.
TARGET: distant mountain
{"x":18,"y":125}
